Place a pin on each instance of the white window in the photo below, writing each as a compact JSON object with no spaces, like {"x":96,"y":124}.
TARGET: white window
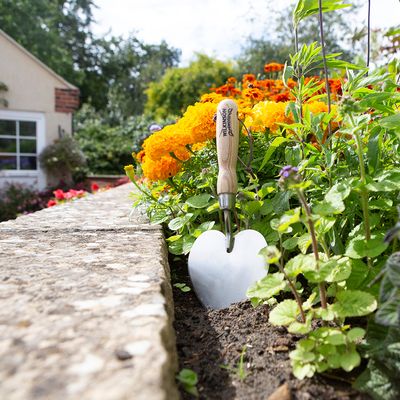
{"x":21,"y":140}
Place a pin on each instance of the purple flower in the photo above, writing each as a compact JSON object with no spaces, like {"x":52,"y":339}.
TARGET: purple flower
{"x":288,"y":175}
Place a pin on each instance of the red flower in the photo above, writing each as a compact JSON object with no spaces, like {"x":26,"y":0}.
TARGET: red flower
{"x":59,"y":194}
{"x":94,"y":187}
{"x":51,"y":203}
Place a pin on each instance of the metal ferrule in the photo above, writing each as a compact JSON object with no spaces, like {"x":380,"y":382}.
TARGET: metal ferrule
{"x":227,"y":201}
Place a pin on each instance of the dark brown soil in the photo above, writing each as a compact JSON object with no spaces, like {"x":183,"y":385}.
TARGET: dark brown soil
{"x":210,"y":343}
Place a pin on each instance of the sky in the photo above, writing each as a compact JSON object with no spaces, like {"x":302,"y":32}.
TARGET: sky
{"x":216,"y":27}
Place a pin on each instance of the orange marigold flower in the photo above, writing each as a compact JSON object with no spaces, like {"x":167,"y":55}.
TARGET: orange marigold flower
{"x":273,"y":67}
{"x":170,"y":139}
{"x":231,"y":80}
{"x":199,"y":146}
{"x":248,"y":78}
{"x":280,"y":97}
{"x":161,"y":169}
{"x":140,"y":156}
{"x":253,"y":94}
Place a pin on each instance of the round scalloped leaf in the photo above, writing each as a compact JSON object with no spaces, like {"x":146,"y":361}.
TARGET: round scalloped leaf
{"x":354,"y":303}
{"x":284,"y":313}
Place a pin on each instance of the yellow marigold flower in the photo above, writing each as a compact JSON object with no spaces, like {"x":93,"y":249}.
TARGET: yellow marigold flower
{"x":161,"y":169}
{"x":199,"y":146}
{"x":198,"y":120}
{"x":267,"y":115}
{"x":211,"y":98}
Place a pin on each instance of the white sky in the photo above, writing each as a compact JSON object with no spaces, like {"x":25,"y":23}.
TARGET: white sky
{"x":214,"y":27}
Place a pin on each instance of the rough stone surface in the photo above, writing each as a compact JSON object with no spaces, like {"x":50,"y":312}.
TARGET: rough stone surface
{"x":86,"y":306}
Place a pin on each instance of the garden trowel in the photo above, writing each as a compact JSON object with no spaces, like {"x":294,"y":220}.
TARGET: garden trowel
{"x":222,"y":267}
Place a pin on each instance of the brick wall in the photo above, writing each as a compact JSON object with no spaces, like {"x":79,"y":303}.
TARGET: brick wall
{"x":67,"y":100}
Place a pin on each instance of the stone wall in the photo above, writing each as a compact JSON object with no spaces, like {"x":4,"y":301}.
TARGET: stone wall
{"x":86,"y":305}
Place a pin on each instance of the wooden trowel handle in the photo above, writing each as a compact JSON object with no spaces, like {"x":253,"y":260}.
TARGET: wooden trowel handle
{"x":227,"y":146}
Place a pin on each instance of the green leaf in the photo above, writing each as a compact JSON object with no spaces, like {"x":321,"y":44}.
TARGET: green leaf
{"x":333,"y":200}
{"x":179,"y":222}
{"x":189,"y":380}
{"x":301,"y":371}
{"x":383,"y":186}
{"x":391,"y":122}
{"x":187,"y":243}
{"x":267,"y":287}
{"x":359,"y":272}
{"x":300,"y":328}
{"x":354,"y":303}
{"x":291,"y":243}
{"x":355,"y":334}
{"x":182,"y":287}
{"x":360,"y":248}
{"x":284,"y":313}
{"x":335,"y":269}
{"x":335,"y":337}
{"x":271,"y":254}
{"x":289,"y":218}
{"x":324,"y":224}
{"x":279,"y":140}
{"x":251,"y":207}
{"x":388,"y":313}
{"x":299,"y":264}
{"x":304,"y":242}
{"x":205,"y":226}
{"x":199,"y":201}
{"x":350,"y":360}
{"x":306,"y":8}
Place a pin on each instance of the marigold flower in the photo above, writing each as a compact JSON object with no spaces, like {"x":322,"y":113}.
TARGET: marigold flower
{"x":231,"y":80}
{"x":273,"y":67}
{"x":211,"y":98}
{"x":162,"y":169}
{"x":267,"y":115}
{"x":248,"y":78}
{"x":253,"y":94}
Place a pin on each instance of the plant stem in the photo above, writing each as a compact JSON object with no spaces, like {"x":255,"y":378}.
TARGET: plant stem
{"x":291,"y":285}
{"x":369,"y":33}
{"x":314,"y":243}
{"x":327,"y":88}
{"x":364,"y":191}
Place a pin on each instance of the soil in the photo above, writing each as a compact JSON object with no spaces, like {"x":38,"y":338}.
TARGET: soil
{"x":210,"y":342}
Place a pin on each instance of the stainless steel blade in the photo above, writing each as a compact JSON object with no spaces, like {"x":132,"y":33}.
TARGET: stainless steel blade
{"x":220,"y":278}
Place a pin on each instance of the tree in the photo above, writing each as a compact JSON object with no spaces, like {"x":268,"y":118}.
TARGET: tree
{"x":112,"y":73}
{"x":278,"y":41}
{"x":180,"y":87}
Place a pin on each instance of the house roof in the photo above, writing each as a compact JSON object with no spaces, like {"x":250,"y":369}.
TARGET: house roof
{"x":36,"y":60}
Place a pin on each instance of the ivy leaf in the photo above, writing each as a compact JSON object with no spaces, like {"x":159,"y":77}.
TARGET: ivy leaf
{"x":284,"y":313}
{"x":354,"y":303}
{"x":360,"y":248}
{"x":267,"y":287}
{"x":199,"y":201}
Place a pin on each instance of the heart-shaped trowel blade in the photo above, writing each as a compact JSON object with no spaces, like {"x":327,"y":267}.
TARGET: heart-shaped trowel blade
{"x":220,"y":278}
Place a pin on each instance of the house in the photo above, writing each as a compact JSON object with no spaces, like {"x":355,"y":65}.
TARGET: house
{"x":35,"y":109}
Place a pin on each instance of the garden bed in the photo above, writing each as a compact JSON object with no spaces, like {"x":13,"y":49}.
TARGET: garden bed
{"x":210,"y":342}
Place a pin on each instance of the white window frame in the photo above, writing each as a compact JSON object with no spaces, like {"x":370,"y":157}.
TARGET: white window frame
{"x":39,"y":118}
